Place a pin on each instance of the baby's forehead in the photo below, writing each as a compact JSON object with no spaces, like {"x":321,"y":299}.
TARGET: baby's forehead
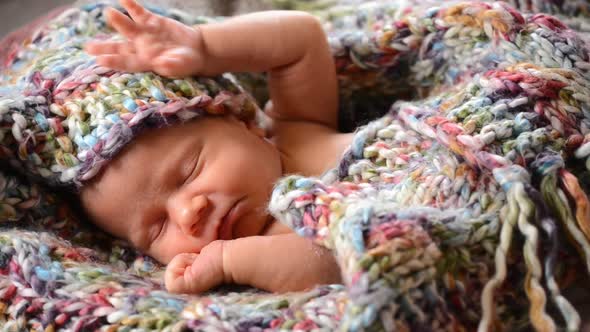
{"x":133,"y":181}
{"x":202,"y":126}
{"x":158,"y":156}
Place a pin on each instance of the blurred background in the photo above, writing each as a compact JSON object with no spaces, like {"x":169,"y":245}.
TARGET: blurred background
{"x":15,"y":13}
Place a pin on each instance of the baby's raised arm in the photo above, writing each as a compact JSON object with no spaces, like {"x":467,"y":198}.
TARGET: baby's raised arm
{"x":277,"y":263}
{"x":291,"y":46}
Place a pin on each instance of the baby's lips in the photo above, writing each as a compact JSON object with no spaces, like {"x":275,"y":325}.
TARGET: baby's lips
{"x":228,"y":221}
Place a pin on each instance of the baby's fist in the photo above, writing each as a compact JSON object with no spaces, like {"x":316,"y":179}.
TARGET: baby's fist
{"x":196,"y":273}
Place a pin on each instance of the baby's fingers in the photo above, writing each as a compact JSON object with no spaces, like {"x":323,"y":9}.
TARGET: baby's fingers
{"x":109,"y":47}
{"x":175,"y":272}
{"x":137,"y":12}
{"x":122,"y":23}
{"x":204,"y":273}
{"x":121,"y":62}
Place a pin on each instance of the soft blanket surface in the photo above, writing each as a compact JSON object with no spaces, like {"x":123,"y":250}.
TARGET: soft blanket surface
{"x":463,"y":208}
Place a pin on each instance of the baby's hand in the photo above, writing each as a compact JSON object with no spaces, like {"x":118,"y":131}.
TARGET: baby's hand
{"x":196,"y":273}
{"x":277,"y":263}
{"x":154,"y":43}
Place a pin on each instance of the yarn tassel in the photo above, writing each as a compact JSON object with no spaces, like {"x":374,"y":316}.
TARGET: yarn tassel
{"x":572,"y":187}
{"x":549,"y":225}
{"x":557,"y":201}
{"x":508,"y":215}
{"x":539,"y":318}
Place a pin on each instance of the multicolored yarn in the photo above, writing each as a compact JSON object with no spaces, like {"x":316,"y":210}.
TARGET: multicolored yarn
{"x":66,"y":116}
{"x":464,"y":209}
{"x":430,"y":204}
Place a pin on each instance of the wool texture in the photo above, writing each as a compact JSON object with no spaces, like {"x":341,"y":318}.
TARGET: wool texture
{"x":464,"y":207}
{"x":69,"y":116}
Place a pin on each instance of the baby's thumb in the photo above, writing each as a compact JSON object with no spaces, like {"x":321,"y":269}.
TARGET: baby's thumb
{"x":178,"y":62}
{"x":206,"y":272}
{"x":169,"y":67}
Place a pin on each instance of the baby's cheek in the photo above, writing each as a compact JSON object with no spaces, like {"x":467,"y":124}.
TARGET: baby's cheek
{"x":172,"y":244}
{"x":162,"y":254}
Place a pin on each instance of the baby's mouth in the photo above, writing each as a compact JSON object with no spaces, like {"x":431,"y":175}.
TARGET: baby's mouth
{"x":225,"y":229}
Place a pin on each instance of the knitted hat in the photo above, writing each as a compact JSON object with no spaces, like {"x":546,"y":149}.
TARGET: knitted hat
{"x":63,"y":117}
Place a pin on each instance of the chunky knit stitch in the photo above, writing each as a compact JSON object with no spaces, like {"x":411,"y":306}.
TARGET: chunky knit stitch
{"x":425,"y":206}
{"x":68,"y":116}
{"x":463,"y":209}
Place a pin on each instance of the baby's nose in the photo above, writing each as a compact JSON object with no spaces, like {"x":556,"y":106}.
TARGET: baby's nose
{"x":190,"y":213}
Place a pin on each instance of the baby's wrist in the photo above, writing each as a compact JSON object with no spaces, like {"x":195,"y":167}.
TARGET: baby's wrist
{"x":228,"y":277}
{"x":200,"y":49}
{"x":241,"y":259}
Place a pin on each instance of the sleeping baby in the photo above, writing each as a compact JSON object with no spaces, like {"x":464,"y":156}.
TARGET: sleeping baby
{"x":200,"y":188}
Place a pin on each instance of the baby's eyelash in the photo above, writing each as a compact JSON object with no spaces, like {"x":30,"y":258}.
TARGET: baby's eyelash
{"x":160,"y":224}
{"x":194,"y":165}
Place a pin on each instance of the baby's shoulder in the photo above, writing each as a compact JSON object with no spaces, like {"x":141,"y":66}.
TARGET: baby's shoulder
{"x":301,"y":129}
{"x":308,"y":148}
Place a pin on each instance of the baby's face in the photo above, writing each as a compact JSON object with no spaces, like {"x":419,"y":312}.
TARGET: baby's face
{"x":174,"y":190}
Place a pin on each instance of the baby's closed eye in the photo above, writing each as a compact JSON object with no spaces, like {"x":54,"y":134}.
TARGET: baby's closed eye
{"x":192,"y":169}
{"x":157,"y":229}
